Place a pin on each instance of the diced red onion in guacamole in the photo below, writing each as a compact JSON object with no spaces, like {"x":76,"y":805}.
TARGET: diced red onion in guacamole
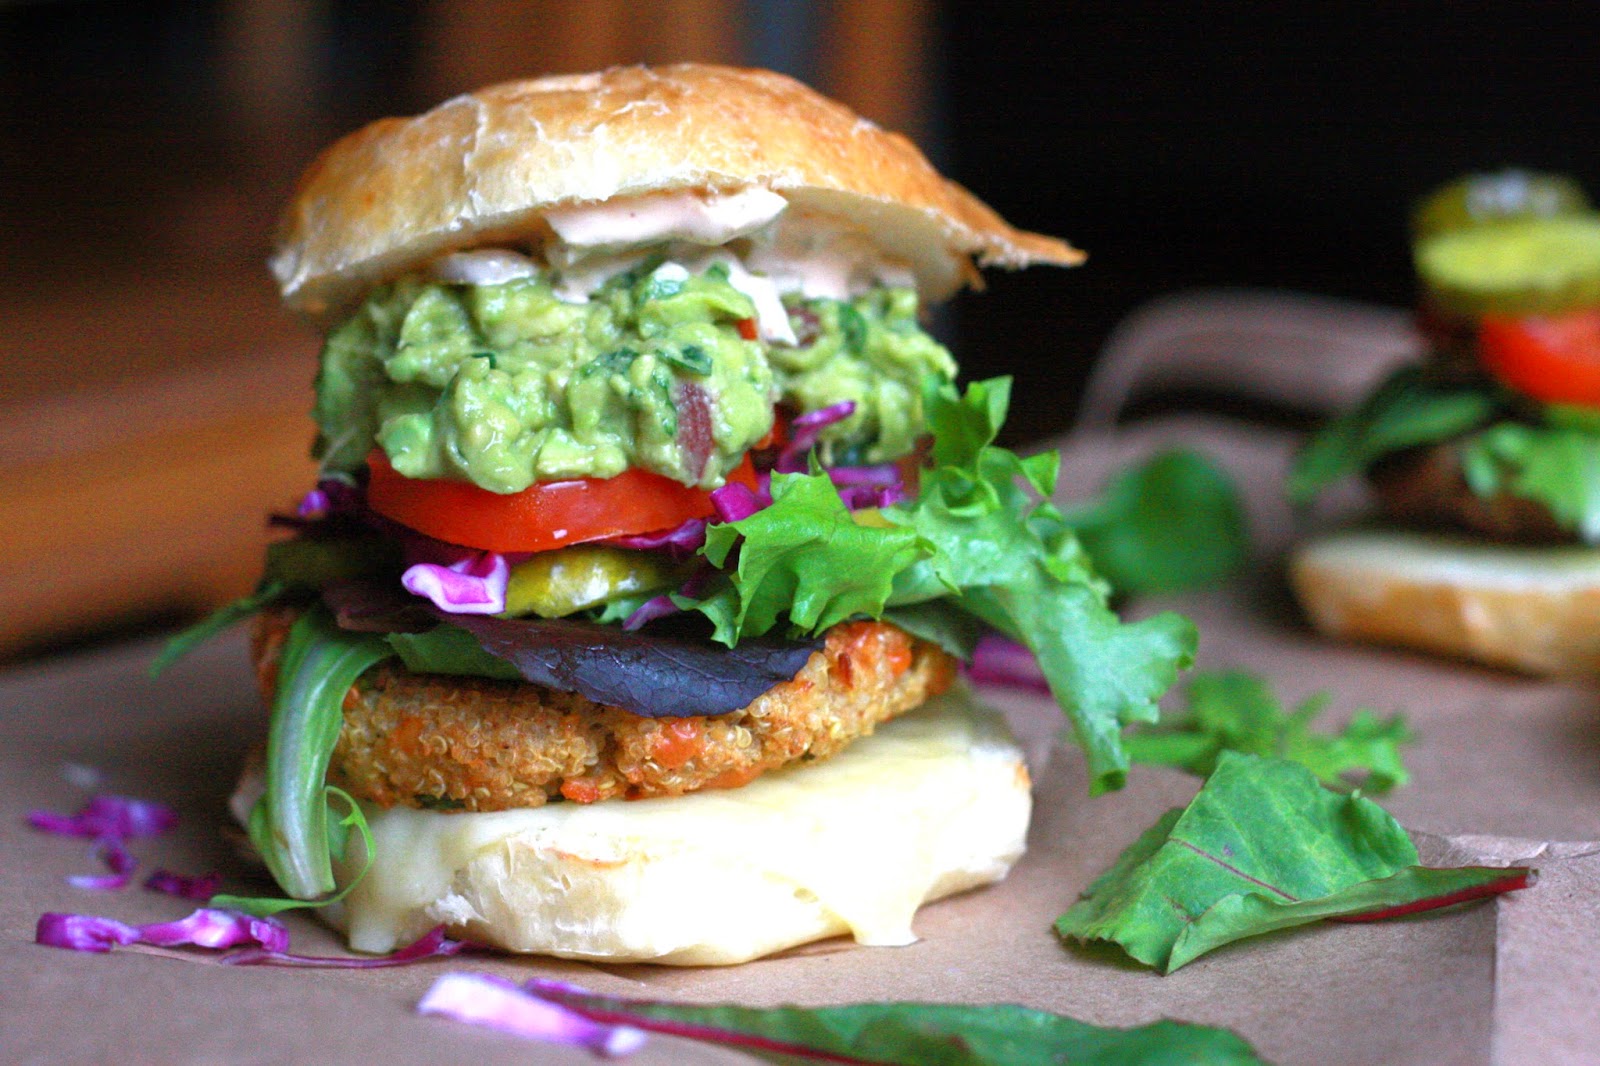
{"x":474,"y":584}
{"x":493,"y":1002}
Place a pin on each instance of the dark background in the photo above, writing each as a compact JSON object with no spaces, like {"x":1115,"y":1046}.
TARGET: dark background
{"x":1181,"y":145}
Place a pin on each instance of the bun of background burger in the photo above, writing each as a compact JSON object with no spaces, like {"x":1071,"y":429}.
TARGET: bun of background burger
{"x":1489,"y":480}
{"x":933,"y":803}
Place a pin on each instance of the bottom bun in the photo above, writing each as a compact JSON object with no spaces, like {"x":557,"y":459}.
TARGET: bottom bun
{"x":934,"y":802}
{"x":1534,"y":609}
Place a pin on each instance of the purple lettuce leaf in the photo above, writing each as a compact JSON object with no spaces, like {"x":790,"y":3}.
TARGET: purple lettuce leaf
{"x":651,"y":675}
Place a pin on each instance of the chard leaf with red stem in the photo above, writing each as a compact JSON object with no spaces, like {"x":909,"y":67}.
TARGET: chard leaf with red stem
{"x":1263,"y":847}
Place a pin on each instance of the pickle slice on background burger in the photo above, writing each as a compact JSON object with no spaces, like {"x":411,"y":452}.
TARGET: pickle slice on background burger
{"x":1485,"y":459}
{"x":643,"y":482}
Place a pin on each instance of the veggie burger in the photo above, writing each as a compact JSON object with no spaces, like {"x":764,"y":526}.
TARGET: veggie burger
{"x":642,"y":482}
{"x":1485,"y":458}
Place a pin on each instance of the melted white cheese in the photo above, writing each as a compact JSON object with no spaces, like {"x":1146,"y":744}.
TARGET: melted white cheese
{"x":935,"y":802}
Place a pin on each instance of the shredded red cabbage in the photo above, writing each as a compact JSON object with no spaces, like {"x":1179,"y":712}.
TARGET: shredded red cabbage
{"x":803,"y":434}
{"x":680,"y":542}
{"x":259,"y":941}
{"x":432,"y":944}
{"x":108,"y":817}
{"x":999,"y":660}
{"x":493,"y":1002}
{"x":735,"y":501}
{"x":117,"y":859}
{"x":648,"y":611}
{"x":205,"y":928}
{"x":199,"y":889}
{"x":473,"y":584}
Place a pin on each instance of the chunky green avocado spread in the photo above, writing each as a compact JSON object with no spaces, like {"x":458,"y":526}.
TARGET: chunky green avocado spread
{"x":505,"y":385}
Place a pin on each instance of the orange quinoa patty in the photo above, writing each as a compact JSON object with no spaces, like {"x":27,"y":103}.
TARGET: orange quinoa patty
{"x":475,"y":744}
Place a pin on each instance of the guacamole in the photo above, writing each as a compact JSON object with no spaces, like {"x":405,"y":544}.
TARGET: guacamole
{"x":504,"y":385}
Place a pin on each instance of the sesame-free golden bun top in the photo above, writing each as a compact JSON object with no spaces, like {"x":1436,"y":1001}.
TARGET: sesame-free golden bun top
{"x":483,"y":168}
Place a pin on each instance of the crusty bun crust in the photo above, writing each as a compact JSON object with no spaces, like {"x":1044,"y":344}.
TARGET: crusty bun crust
{"x":483,"y":168}
{"x":933,"y":803}
{"x":1533,"y":609}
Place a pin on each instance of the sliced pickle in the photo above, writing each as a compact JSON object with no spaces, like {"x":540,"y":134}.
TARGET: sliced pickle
{"x":1481,"y":199}
{"x":1522,"y":266}
{"x":557,"y":583}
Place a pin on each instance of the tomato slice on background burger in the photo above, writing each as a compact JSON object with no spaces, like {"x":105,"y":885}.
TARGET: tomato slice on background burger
{"x":1555,"y":359}
{"x":543,"y":516}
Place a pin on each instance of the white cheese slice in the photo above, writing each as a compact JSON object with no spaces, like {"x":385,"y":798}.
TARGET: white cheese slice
{"x":934,"y":803}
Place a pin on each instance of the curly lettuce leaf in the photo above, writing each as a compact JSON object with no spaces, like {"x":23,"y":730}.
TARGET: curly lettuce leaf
{"x":1017,"y":565}
{"x":1263,"y":847}
{"x":1236,"y":711}
{"x":1556,"y":465}
{"x":289,"y":825}
{"x":1172,"y":522}
{"x":805,"y":558}
{"x":977,"y":536}
{"x":1407,"y":410}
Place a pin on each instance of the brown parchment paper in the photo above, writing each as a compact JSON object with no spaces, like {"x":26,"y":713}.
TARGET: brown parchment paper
{"x":1507,"y":770}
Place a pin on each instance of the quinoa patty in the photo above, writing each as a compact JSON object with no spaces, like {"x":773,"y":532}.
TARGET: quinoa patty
{"x":475,"y":744}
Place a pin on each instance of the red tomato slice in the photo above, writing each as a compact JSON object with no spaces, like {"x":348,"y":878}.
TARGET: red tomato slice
{"x":1556,"y":360}
{"x":545,"y":515}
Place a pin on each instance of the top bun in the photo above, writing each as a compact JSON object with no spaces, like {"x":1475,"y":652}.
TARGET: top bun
{"x":483,"y":168}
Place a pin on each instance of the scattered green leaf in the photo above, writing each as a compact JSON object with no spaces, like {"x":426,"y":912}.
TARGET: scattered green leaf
{"x":1172,"y":522}
{"x":913,"y":1034}
{"x":1262,"y":847}
{"x":1237,"y":711}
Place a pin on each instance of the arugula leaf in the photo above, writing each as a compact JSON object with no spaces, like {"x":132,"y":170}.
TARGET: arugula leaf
{"x":1262,"y":847}
{"x":1172,"y":522}
{"x":338,"y":834}
{"x":444,"y":649}
{"x":1558,"y":466}
{"x":1236,"y":711}
{"x":289,"y":824}
{"x":1405,"y":411}
{"x":224,"y":617}
{"x":910,"y":1034}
